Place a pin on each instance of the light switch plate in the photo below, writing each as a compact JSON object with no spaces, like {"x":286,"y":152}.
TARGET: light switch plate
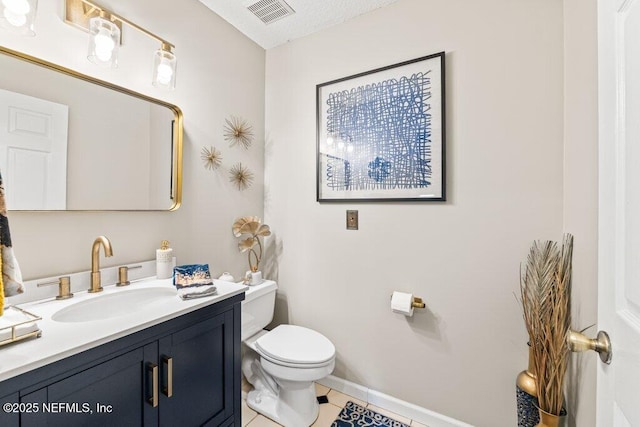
{"x":352,"y":220}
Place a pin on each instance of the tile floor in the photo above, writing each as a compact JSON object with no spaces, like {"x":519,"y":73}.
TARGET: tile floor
{"x":328,"y":411}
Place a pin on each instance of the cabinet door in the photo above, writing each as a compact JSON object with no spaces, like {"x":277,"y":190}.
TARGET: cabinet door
{"x":201,"y":360}
{"x":11,"y":417}
{"x":114,"y":390}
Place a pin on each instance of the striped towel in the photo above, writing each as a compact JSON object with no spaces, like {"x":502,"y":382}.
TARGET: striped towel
{"x":11,"y":277}
{"x":193,"y":281}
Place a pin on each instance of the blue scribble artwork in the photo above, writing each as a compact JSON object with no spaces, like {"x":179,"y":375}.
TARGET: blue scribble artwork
{"x":379,"y":169}
{"x":383,"y":135}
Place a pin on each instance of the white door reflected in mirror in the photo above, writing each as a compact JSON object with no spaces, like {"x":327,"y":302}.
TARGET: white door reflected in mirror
{"x":33,"y":152}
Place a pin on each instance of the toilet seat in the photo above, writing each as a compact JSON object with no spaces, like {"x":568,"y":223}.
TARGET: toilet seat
{"x":296,"y":347}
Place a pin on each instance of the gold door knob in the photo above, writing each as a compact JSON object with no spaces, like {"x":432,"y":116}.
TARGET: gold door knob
{"x":579,"y":342}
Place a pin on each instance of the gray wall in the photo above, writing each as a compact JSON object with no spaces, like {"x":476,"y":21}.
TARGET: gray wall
{"x":507,"y":167}
{"x":580,"y":213}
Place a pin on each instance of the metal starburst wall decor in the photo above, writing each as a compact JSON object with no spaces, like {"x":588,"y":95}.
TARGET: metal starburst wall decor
{"x":237,"y":131}
{"x":212,"y":157}
{"x":241,"y":176}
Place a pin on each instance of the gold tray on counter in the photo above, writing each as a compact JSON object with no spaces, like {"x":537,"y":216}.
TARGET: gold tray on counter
{"x":12,"y":332}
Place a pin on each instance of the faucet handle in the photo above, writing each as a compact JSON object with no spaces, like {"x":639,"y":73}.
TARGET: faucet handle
{"x":64,"y":287}
{"x":123,"y":276}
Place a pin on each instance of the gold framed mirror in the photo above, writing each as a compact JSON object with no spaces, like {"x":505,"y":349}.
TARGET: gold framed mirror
{"x":72,"y":142}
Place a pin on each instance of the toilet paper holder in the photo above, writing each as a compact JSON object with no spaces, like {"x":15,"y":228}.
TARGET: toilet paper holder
{"x":417,"y":303}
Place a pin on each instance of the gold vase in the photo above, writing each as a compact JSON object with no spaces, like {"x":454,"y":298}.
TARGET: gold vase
{"x":526,"y":379}
{"x":527,"y":395}
{"x":549,"y":420}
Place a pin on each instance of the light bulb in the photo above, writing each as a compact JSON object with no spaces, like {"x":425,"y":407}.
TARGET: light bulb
{"x":341,"y":145}
{"x":103,"y":41}
{"x":164,"y":72}
{"x":350,"y":148}
{"x":164,"y":68}
{"x":330,"y":140}
{"x":18,"y":16}
{"x":19,"y":7}
{"x":103,"y":54}
{"x":104,"y":44}
{"x":15,"y":19}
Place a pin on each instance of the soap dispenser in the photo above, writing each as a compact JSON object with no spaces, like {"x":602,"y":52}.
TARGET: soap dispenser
{"x":164,"y":261}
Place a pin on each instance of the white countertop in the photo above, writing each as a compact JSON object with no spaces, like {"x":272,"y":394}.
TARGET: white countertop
{"x":60,"y":340}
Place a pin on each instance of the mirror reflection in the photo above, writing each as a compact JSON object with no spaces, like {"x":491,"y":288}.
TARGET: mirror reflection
{"x":70,"y":142}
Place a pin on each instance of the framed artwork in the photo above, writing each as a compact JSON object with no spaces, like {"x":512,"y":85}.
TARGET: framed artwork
{"x":381,"y":134}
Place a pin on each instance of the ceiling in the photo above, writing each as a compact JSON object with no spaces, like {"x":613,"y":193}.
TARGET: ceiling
{"x":310,"y":16}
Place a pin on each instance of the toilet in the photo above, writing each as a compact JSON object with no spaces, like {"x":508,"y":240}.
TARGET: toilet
{"x":281,"y":364}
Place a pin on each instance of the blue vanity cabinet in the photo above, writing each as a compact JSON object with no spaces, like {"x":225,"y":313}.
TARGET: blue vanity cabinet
{"x":97,"y":396}
{"x":8,"y":417}
{"x":196,"y":364}
{"x":191,"y":364}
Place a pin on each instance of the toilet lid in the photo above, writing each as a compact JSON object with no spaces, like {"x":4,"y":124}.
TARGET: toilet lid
{"x":295,"y":344}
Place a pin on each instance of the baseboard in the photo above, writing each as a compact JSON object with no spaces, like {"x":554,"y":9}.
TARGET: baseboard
{"x":346,"y":387}
{"x":390,"y":403}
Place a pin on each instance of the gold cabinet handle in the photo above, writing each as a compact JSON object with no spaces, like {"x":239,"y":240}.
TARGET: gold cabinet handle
{"x":578,"y":342}
{"x":167,"y":390}
{"x":153,"y":400}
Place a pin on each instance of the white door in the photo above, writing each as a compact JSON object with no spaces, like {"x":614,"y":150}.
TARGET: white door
{"x":33,"y":152}
{"x":618,"y":402}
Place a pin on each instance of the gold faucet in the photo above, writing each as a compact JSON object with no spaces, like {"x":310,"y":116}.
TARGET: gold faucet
{"x":95,"y":261}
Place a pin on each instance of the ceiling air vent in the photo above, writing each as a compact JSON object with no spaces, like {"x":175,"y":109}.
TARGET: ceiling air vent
{"x":269,"y":11}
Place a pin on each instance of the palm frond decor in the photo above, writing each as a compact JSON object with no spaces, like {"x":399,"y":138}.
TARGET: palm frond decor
{"x":545,"y":287}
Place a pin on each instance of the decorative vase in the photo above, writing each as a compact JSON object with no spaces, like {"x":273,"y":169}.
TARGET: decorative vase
{"x":253,"y":278}
{"x":527,"y":395}
{"x":550,"y":420}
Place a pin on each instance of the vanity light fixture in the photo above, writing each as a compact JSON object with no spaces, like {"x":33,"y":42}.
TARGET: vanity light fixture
{"x":104,"y":27}
{"x":164,"y":67}
{"x":18,"y":16}
{"x":104,"y":41}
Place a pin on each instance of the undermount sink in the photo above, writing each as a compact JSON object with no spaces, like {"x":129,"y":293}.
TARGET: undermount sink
{"x":112,"y":305}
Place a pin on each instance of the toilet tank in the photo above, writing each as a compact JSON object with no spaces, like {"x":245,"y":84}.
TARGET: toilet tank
{"x":257,"y":307}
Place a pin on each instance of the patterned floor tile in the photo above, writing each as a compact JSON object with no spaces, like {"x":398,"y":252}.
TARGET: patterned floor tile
{"x":262,"y":421}
{"x":328,"y":414}
{"x":248,"y":414}
{"x":321,"y":390}
{"x":328,"y":411}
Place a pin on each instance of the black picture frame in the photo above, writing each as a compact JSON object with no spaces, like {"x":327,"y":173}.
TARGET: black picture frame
{"x":381,"y":136}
